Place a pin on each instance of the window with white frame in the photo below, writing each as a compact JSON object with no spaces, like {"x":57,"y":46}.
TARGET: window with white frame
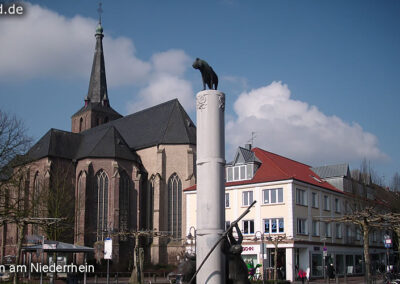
{"x":328,"y":230}
{"x":315,"y":228}
{"x":272,"y":196}
{"x":247,"y":198}
{"x":274,"y":226}
{"x":338,"y":231}
{"x":327,"y":205}
{"x":248,"y":227}
{"x":337,"y":205}
{"x":227,"y":200}
{"x":302,"y":226}
{"x":229,"y":174}
{"x":301,"y":197}
{"x":239,"y":172}
{"x":314,"y":199}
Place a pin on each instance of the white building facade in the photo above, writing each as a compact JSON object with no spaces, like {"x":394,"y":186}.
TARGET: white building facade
{"x":292,"y":201}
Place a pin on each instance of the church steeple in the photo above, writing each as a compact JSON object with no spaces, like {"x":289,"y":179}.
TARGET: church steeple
{"x":97,"y":92}
{"x":97,"y":109}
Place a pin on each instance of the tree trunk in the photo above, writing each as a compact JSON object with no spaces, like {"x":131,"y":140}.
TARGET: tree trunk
{"x":134,"y":275}
{"x":21,"y":227}
{"x":3,"y":242}
{"x":366,"y":253}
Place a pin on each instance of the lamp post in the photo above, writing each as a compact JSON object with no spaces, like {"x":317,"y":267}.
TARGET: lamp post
{"x":262,"y":253}
{"x":191,"y":237}
{"x":324,"y":254}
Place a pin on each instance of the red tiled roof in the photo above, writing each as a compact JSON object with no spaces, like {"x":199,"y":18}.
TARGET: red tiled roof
{"x":275,"y":167}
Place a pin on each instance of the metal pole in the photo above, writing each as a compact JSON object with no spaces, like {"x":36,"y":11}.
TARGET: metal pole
{"x":387,"y":262}
{"x":84,"y":275}
{"x":108,"y":271}
{"x":41,"y":264}
{"x":262,"y":255}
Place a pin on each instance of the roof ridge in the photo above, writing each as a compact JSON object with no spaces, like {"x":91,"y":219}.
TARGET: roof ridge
{"x":149,"y":108}
{"x":184,"y":119}
{"x":100,"y":140}
{"x":284,"y":157}
{"x":167,"y":124}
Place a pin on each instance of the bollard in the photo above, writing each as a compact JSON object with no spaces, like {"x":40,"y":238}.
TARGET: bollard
{"x":95,"y":279}
{"x":116,"y":278}
{"x":345,"y":278}
{"x":337,"y":279}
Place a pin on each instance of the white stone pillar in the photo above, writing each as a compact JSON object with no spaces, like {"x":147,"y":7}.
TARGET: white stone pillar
{"x":210,"y":105}
{"x":290,"y":263}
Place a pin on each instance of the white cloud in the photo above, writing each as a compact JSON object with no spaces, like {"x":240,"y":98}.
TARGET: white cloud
{"x":44,"y":43}
{"x":166,"y":82}
{"x":298,"y":130}
{"x":163,"y":88}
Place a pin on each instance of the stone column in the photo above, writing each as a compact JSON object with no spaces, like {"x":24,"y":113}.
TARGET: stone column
{"x":210,"y":184}
{"x":290,"y":263}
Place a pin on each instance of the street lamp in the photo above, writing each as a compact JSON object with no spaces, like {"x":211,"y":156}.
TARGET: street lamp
{"x":324,"y":255}
{"x":262,"y":253}
{"x":191,"y":237}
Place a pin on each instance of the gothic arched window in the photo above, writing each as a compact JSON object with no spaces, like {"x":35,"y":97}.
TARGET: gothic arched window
{"x":175,"y":206}
{"x":124,"y":188}
{"x":78,"y":201}
{"x":102,"y":203}
{"x":35,"y":202}
{"x":150,"y":203}
{"x":80,"y":124}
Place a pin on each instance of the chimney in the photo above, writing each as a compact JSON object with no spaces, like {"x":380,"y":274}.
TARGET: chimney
{"x":247,"y":146}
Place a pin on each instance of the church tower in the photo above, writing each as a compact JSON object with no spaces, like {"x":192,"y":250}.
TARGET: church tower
{"x":97,"y":109}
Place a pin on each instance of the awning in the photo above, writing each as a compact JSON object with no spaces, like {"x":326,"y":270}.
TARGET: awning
{"x":55,"y":246}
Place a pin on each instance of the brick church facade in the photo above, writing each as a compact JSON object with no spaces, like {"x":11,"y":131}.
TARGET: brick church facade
{"x":127,"y":172}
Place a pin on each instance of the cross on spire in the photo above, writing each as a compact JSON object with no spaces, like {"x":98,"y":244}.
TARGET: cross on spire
{"x":100,"y":10}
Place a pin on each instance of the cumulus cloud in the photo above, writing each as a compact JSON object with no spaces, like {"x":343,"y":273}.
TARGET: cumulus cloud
{"x":44,"y":43}
{"x":166,"y":81}
{"x":298,"y":130}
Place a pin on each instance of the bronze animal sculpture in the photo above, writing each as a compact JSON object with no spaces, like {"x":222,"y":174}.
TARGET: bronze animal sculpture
{"x":187,"y":268}
{"x":207,"y":74}
{"x":237,"y":269}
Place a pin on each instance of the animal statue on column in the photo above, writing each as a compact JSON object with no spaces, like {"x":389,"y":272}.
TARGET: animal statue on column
{"x":207,"y":74}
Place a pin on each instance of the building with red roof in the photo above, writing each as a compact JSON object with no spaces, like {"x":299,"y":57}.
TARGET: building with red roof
{"x":292,"y":201}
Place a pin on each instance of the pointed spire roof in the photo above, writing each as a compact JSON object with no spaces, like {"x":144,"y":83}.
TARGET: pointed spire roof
{"x":97,"y":92}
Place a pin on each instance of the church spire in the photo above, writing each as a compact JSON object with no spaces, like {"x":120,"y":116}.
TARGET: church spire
{"x":97,"y":109}
{"x":98,"y":85}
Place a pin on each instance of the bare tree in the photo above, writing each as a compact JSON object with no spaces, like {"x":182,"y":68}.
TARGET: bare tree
{"x":276,"y":240}
{"x":13,"y":139}
{"x":58,"y":201}
{"x":395,"y":184}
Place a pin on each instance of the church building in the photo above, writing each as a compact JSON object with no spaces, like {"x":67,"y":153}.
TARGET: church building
{"x":127,"y":172}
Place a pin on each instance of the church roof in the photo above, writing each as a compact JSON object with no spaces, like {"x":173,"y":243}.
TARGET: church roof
{"x":56,"y":143}
{"x":98,"y":107}
{"x":166,"y":123}
{"x":107,"y":143}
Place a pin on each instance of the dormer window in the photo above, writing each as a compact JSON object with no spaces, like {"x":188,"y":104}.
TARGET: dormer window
{"x":243,"y":166}
{"x":239,"y":172}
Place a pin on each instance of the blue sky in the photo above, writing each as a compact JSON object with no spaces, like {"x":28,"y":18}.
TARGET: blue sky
{"x":317,"y":81}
